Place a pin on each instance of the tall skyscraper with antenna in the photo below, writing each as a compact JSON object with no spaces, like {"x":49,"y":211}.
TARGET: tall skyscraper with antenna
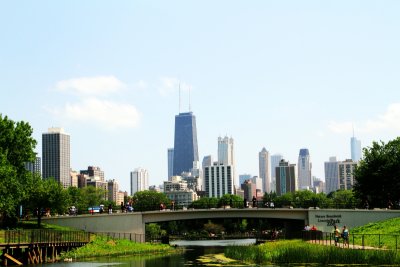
{"x":355,"y":146}
{"x":185,"y":141}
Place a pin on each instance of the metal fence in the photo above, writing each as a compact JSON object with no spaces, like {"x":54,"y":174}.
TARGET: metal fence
{"x":362,"y":241}
{"x":44,"y":236}
{"x":129,"y":236}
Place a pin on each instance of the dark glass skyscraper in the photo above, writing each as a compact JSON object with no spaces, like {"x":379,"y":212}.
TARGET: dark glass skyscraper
{"x":185,"y":143}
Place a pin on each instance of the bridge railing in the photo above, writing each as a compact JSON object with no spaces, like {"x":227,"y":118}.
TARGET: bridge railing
{"x":129,"y":236}
{"x":363,"y":241}
{"x":44,"y":236}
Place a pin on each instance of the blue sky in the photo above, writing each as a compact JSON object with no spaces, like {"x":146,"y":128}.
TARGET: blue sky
{"x":277,"y":74}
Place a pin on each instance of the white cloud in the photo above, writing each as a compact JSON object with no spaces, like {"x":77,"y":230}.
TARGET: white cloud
{"x":94,"y":86}
{"x":388,"y":121}
{"x":103,"y":113}
{"x":142,"y":85}
{"x":171,"y":85}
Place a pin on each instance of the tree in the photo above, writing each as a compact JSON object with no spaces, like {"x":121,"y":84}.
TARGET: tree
{"x":343,"y":199}
{"x":377,"y":177}
{"x":233,"y":201}
{"x":16,"y":149}
{"x":149,"y":200}
{"x":205,"y":203}
{"x":47,"y":195}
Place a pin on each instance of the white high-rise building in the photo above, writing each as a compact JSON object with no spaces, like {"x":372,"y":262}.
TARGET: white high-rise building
{"x":170,"y":163}
{"x":355,"y":145}
{"x":275,"y":159}
{"x":218,"y":180}
{"x":304,"y":169}
{"x":264,"y":166}
{"x":226,"y":151}
{"x":56,"y":162}
{"x":331,"y":175}
{"x":139,"y":180}
{"x":346,"y":174}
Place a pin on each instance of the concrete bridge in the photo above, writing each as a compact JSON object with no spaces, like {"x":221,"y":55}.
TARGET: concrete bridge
{"x":134,"y":223}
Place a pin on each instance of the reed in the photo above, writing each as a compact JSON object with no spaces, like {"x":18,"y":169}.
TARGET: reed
{"x":102,"y":247}
{"x":297,"y":251}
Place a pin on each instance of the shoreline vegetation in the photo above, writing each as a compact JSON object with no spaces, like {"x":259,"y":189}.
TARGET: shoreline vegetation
{"x":102,"y":246}
{"x":298,"y":251}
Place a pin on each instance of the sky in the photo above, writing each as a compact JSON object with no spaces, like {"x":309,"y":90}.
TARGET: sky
{"x":283,"y":75}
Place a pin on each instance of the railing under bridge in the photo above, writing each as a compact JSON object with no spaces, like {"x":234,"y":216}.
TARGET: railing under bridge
{"x":38,"y":246}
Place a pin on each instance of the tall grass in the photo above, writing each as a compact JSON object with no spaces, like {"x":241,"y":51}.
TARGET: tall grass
{"x":102,"y":246}
{"x":378,"y":234}
{"x":296,"y":251}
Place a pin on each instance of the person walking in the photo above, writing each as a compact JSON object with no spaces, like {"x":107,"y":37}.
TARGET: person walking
{"x":345,"y":236}
{"x":336,"y":234}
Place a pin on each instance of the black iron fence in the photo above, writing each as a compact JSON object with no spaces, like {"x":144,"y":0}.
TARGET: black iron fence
{"x":129,"y":236}
{"x":44,"y":236}
{"x":362,"y":241}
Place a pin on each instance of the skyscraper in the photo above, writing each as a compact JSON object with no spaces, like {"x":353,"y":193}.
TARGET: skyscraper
{"x":185,"y":143}
{"x":286,"y":178}
{"x":225,"y":151}
{"x":56,"y":156}
{"x":264,"y":170}
{"x":34,"y":167}
{"x":218,"y":180}
{"x":331,"y":175}
{"x":304,"y":169}
{"x":170,"y":163}
{"x":139,"y":180}
{"x":346,"y":176}
{"x":355,"y":145}
{"x":275,"y":159}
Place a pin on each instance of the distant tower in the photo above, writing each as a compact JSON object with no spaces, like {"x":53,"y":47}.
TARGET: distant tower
{"x":346,"y":174}
{"x":218,"y":180}
{"x":225,"y":151}
{"x":56,"y":156}
{"x":139,"y":180}
{"x":34,"y":167}
{"x":185,"y":144}
{"x":286,"y":178}
{"x":264,"y":170}
{"x":275,"y":159}
{"x":226,"y":154}
{"x":170,"y":163}
{"x":355,"y":149}
{"x":331,"y":175}
{"x":304,"y":169}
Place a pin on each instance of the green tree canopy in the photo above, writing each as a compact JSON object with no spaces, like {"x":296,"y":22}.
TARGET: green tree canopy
{"x":16,"y":149}
{"x":205,"y":203}
{"x":378,"y":174}
{"x":149,"y":200}
{"x":232,"y":200}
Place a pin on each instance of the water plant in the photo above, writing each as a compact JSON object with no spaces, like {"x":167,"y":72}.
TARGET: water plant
{"x":102,"y":246}
{"x":297,"y":251}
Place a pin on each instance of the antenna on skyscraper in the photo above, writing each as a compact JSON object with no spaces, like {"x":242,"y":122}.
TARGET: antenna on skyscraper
{"x":179,"y":97}
{"x":353,"y":130}
{"x":189,"y":99}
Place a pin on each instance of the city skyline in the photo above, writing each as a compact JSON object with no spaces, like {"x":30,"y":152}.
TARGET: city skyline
{"x":279,"y":75}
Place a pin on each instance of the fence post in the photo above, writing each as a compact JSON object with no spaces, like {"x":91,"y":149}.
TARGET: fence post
{"x":379,"y":239}
{"x":362,"y":241}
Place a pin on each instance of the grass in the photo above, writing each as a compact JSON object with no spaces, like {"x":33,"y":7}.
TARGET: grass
{"x":387,"y":230}
{"x":102,"y":246}
{"x":297,"y":251}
